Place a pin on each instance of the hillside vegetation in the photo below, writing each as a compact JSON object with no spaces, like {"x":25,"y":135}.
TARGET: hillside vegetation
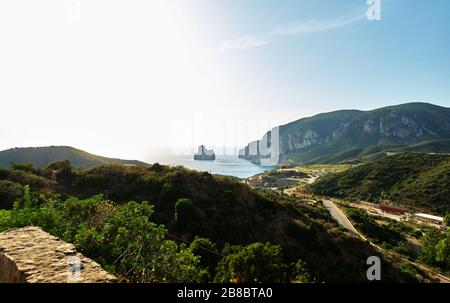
{"x":194,"y":227}
{"x":414,"y":179}
{"x":42,"y":157}
{"x":359,"y":136}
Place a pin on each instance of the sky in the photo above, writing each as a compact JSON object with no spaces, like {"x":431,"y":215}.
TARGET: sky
{"x":124,"y":78}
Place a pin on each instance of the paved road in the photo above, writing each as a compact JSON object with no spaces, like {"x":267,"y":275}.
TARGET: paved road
{"x":311,"y":180}
{"x":345,"y":222}
{"x":339,"y":216}
{"x":342,"y":219}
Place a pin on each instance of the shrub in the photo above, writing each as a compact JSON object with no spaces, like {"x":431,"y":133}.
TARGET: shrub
{"x":255,"y":263}
{"x":207,"y":251}
{"x":185,"y":212}
{"x":9,"y":192}
{"x":301,"y":273}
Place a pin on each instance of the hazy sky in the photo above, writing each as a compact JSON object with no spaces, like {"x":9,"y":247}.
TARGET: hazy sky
{"x":119,"y":78}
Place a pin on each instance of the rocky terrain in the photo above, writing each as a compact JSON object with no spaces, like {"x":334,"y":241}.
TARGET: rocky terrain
{"x":33,"y":256}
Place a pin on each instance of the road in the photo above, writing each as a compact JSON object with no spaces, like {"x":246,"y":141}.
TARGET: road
{"x":340,"y":217}
{"x":343,"y":220}
{"x":313,"y":179}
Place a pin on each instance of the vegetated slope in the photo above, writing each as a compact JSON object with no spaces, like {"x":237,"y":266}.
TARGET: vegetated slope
{"x":43,"y":156}
{"x":436,"y":146}
{"x":432,"y":147}
{"x":415,"y":179}
{"x":218,"y":208}
{"x":351,"y":135}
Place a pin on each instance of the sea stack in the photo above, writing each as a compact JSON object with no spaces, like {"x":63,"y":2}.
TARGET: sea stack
{"x":204,"y":155}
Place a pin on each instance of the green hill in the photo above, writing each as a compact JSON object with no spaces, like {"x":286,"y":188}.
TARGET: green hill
{"x":43,"y":156}
{"x":188,"y":204}
{"x":431,"y":147}
{"x":414,"y":179}
{"x":355,"y":136}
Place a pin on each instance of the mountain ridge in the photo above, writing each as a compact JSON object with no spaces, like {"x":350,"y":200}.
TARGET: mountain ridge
{"x":42,"y":157}
{"x":347,"y":135}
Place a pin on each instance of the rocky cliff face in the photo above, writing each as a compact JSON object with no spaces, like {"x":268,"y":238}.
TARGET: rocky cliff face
{"x":204,"y":154}
{"x":30,"y":255}
{"x":353,"y":133}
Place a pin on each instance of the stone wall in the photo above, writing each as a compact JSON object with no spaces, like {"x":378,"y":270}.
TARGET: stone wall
{"x":30,"y":255}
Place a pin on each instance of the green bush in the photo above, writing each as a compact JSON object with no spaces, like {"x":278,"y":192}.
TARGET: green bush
{"x":255,"y":263}
{"x":9,"y":192}
{"x":122,"y":239}
{"x":436,"y":249}
{"x":301,"y":273}
{"x":208,"y":253}
{"x":185,"y":212}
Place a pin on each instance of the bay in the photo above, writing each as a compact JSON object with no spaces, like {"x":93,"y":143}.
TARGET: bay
{"x":223,"y":165}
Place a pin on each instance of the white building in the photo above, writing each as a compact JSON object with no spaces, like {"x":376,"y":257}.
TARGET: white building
{"x":429,"y":218}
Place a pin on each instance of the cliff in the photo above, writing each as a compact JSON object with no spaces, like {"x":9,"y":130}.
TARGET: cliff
{"x":204,"y":154}
{"x":30,"y":255}
{"x":352,"y":135}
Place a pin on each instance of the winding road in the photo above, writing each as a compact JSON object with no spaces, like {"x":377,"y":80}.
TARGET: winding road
{"x":343,"y":220}
{"x":340,"y":217}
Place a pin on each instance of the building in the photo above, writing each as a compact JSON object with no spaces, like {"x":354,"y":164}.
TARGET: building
{"x":368,"y":204}
{"x":426,"y":218}
{"x":393,"y":210}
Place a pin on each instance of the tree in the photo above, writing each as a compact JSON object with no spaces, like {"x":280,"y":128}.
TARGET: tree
{"x":207,"y":251}
{"x":443,"y":252}
{"x":63,"y":172}
{"x":429,"y":243}
{"x":9,"y":192}
{"x":301,"y":273}
{"x":27,"y":198}
{"x":119,"y":237}
{"x":5,"y":219}
{"x":185,"y":212}
{"x":255,"y":263}
{"x":27,"y":167}
{"x":140,"y":249}
{"x":151,"y":183}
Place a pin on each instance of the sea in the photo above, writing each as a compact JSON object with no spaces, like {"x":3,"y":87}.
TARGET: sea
{"x":227,"y":165}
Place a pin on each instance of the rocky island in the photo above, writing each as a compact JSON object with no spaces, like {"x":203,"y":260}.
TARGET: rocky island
{"x":204,"y":154}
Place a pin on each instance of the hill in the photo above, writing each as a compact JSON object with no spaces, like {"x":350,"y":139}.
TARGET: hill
{"x":42,"y":157}
{"x":188,"y":204}
{"x":353,"y":135}
{"x":412,"y":179}
{"x":430,"y":147}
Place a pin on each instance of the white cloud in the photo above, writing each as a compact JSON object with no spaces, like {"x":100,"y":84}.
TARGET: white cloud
{"x":310,"y":26}
{"x":291,"y":29}
{"x":243,"y":42}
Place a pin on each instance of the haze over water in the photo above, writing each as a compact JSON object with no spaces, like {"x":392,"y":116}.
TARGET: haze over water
{"x":227,"y":165}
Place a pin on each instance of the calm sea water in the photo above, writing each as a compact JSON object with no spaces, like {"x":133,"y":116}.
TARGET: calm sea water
{"x":223,"y":165}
